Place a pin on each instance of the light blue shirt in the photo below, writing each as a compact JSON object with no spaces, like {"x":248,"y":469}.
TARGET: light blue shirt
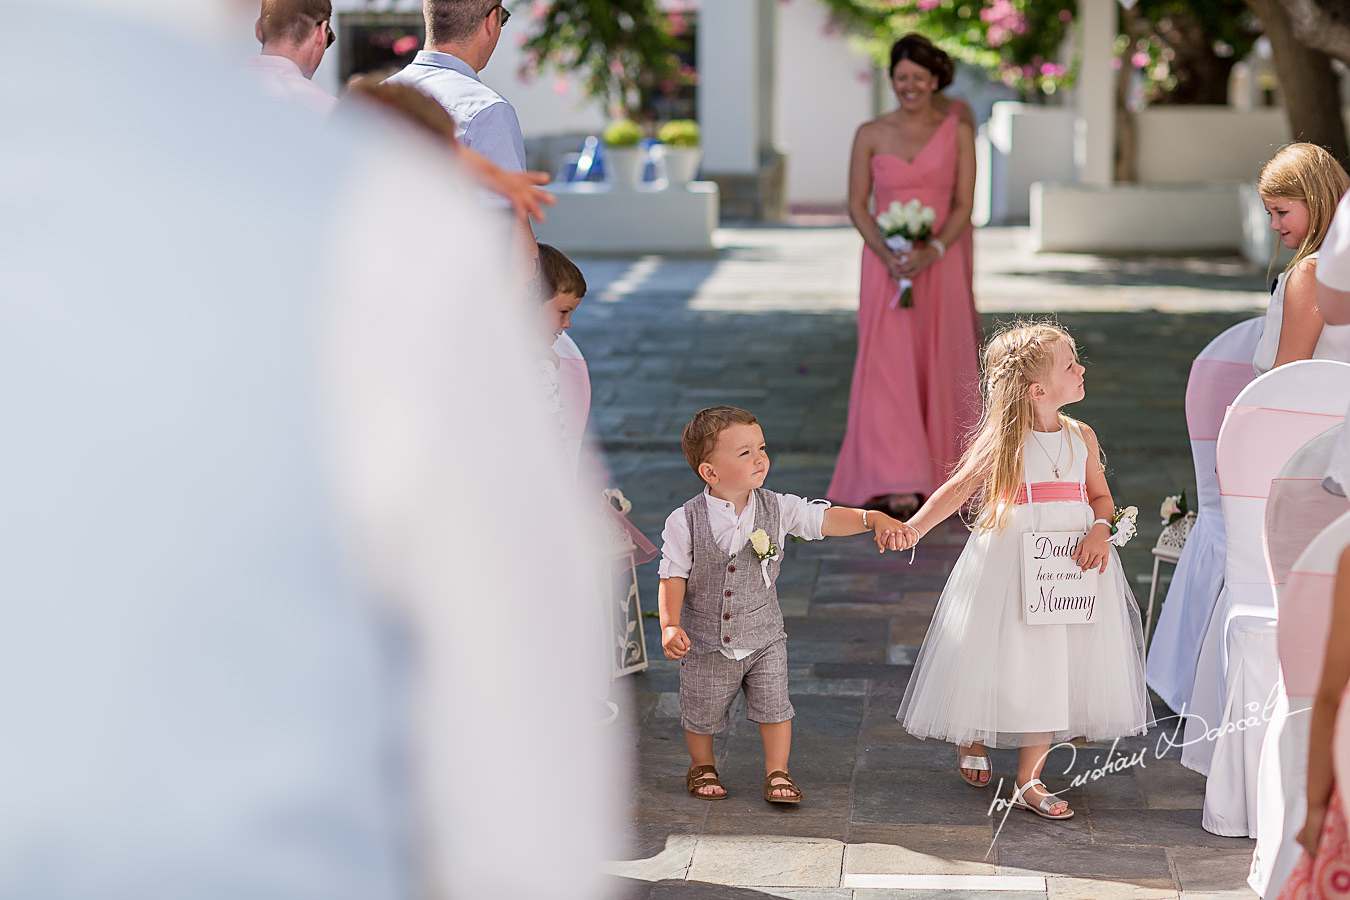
{"x":484,"y":121}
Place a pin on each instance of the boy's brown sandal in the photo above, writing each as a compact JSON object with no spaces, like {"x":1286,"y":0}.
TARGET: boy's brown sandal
{"x":701,"y":777}
{"x":770,"y":787}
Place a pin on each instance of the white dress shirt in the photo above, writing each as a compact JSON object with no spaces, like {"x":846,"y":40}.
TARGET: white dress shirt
{"x":484,"y":121}
{"x":282,"y":79}
{"x":796,"y":516}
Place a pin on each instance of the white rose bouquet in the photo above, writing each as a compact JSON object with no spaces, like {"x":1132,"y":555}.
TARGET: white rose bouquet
{"x":902,"y":225}
{"x":1123,"y":525}
{"x":766,"y":550}
{"x":1173,"y":508}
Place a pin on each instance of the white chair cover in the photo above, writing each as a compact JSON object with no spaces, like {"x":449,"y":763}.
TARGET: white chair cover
{"x":1235,"y":678}
{"x":1218,"y":374}
{"x":1303,"y":601}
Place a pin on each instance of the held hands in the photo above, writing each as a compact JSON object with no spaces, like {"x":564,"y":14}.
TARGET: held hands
{"x":887,"y":532}
{"x":674,"y":642}
{"x":1094,"y":549}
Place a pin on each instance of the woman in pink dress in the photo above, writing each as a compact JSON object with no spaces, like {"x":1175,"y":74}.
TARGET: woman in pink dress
{"x":916,"y":380}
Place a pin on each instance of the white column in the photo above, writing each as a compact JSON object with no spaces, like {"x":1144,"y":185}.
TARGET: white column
{"x":1095,"y":133}
{"x":729,"y":85}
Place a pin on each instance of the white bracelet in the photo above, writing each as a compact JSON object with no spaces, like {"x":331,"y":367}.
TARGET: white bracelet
{"x":939,"y":246}
{"x":1101,"y":522}
{"x":864,"y":512}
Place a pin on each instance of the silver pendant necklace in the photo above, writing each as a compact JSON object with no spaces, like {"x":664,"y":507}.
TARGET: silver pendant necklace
{"x":1054,"y":463}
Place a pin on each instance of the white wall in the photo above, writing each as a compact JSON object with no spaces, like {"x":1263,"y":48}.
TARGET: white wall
{"x":1206,"y":143}
{"x":1174,"y":218}
{"x":1022,"y":143}
{"x":824,"y":94}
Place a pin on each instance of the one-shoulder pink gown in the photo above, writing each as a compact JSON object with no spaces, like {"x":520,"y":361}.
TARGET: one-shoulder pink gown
{"x":916,"y":392}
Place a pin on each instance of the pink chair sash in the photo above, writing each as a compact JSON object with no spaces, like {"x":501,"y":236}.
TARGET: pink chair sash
{"x":1305,"y":616}
{"x":1053,"y":492}
{"x":1214,"y":384}
{"x":1265,"y":439}
{"x":1298,"y":510}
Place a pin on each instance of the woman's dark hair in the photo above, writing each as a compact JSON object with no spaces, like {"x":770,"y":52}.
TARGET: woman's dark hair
{"x":920,"y":50}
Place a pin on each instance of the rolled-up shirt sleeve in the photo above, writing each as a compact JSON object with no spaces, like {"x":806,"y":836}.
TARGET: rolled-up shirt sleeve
{"x":677,"y":553}
{"x":801,"y":517}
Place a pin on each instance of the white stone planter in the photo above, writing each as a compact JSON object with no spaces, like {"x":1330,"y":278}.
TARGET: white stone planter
{"x":681,"y":164}
{"x":623,"y":167}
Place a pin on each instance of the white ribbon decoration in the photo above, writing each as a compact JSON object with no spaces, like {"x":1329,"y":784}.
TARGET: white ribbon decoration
{"x":764,"y":568}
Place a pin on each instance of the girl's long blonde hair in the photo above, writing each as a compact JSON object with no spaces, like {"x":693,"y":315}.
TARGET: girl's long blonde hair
{"x":1018,"y":356}
{"x":1305,"y":172}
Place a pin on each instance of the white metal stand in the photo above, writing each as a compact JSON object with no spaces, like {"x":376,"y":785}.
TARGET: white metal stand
{"x":1167,"y":549}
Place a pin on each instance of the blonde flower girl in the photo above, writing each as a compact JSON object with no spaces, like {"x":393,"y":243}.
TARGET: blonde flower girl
{"x":984,"y":677}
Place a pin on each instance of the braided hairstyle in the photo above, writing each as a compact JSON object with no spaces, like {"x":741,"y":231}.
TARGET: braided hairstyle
{"x":1016,"y":358}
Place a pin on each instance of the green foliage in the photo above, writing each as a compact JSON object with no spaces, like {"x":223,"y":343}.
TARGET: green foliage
{"x":679,"y":133}
{"x":620,"y":49}
{"x":622,"y":133}
{"x":1016,"y":41}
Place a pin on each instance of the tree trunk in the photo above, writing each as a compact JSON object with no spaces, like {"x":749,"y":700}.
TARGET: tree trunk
{"x":1323,"y":25}
{"x":1312,"y":95}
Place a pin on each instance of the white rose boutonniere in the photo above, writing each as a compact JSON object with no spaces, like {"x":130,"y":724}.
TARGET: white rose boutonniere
{"x":766,"y":550}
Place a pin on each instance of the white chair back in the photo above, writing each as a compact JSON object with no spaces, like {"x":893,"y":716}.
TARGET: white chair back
{"x":1269,"y":421}
{"x":1218,"y":375}
{"x":1305,"y":612}
{"x":1299,"y":507}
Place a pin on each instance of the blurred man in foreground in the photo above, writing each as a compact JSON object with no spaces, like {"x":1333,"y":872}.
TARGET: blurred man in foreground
{"x":268,"y":632}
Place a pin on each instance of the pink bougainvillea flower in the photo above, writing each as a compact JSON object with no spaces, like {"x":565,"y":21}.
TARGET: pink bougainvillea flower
{"x":1139,"y":60}
{"x":406,"y":44}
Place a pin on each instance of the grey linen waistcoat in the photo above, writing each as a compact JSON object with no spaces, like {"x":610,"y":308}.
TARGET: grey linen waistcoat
{"x":726,"y":603}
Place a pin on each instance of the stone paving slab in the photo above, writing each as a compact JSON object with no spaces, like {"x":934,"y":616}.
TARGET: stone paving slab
{"x":770,"y":323}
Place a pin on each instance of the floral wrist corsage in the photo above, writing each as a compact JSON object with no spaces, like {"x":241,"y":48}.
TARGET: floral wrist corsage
{"x":766,"y":550}
{"x":1122,"y":525}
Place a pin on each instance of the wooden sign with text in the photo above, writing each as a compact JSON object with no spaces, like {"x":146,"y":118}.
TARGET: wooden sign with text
{"x":1055,"y":591}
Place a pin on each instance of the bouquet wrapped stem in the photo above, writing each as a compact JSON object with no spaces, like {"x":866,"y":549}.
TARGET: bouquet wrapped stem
{"x":904,"y":294}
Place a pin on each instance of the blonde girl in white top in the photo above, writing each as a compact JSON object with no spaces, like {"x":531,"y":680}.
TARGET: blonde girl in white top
{"x":1300,"y":187}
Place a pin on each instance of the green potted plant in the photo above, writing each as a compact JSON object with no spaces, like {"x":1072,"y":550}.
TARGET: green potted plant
{"x":681,"y":150}
{"x":624,"y":159}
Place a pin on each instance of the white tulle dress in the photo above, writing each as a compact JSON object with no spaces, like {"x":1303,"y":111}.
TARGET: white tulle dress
{"x":984,"y":675}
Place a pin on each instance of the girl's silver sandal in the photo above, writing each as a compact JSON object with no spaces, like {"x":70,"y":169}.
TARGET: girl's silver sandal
{"x":1046,"y":803}
{"x":977,"y":763}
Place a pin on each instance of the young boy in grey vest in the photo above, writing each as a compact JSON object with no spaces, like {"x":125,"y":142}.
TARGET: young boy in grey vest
{"x":719,"y":607}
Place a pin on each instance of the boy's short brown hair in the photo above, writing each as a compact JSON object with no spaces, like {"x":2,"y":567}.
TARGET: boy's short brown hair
{"x":700,"y":435}
{"x":561,"y":275}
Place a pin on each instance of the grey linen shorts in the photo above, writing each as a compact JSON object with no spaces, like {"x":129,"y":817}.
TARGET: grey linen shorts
{"x":709,"y":683}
